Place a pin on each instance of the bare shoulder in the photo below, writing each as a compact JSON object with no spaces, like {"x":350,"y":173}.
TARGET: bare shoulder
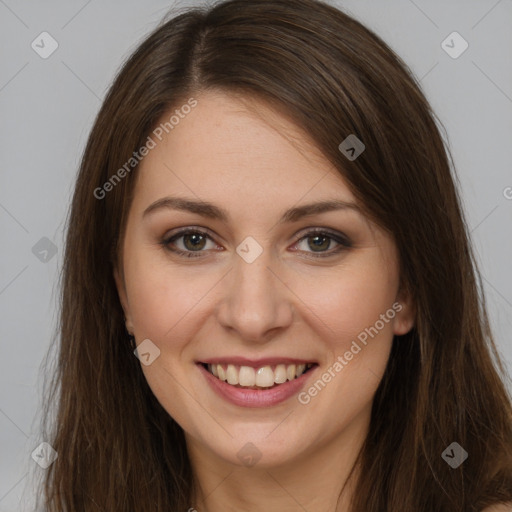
{"x":499,"y":508}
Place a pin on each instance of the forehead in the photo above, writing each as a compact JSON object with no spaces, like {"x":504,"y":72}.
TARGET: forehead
{"x":232,"y":149}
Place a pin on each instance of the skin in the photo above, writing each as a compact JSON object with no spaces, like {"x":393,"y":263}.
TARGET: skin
{"x":251,"y":161}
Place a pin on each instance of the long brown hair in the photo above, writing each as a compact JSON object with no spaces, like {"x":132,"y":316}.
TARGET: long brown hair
{"x":118,"y":448}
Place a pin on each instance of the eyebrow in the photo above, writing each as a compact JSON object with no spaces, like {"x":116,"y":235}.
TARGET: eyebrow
{"x":211,"y":211}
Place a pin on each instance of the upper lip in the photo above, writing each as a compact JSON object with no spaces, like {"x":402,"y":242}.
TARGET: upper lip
{"x":256,"y":363}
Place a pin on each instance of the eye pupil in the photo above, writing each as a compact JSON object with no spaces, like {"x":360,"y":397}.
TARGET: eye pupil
{"x":195,"y":238}
{"x":317,"y":238}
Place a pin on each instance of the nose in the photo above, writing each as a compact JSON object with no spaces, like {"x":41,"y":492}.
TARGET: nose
{"x":256,"y":303}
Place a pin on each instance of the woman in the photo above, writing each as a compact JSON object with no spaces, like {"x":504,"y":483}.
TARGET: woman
{"x":265,"y":209}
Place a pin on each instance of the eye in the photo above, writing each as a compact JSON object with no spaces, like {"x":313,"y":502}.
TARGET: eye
{"x":188,"y":242}
{"x":191,"y":243}
{"x":320,"y":241}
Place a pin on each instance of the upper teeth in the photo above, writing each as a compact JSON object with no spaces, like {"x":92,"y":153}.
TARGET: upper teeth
{"x":266,"y":376}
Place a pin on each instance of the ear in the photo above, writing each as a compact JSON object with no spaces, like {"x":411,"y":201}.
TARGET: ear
{"x":121,"y":291}
{"x":405,"y":308}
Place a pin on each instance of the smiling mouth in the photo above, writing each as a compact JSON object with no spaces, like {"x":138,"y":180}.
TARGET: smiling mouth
{"x":265,"y":377}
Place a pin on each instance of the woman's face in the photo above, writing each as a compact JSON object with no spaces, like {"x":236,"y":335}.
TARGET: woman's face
{"x":244,"y":271}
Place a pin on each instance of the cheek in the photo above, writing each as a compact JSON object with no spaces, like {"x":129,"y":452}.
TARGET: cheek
{"x":346,"y":301}
{"x":352,"y":313}
{"x":163,"y":300}
{"x":161,"y":296}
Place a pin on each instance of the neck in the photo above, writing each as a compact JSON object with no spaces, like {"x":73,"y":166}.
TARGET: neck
{"x":317,"y":480}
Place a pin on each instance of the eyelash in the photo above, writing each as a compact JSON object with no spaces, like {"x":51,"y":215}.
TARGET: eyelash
{"x":343,"y":241}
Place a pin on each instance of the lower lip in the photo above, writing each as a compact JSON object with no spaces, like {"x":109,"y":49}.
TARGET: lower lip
{"x":255,"y":397}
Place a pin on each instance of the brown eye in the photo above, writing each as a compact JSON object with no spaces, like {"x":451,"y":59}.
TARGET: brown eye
{"x":189,"y":243}
{"x":319,"y":242}
{"x":194,"y":241}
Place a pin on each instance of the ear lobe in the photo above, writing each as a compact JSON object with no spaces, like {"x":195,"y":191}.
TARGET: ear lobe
{"x":405,"y":317}
{"x":121,"y":292}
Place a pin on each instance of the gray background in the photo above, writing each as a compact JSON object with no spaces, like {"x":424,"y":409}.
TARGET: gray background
{"x":47,"y":107}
